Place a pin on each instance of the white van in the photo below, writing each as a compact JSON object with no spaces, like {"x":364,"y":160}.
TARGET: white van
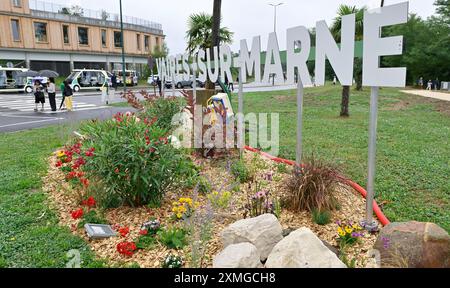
{"x":89,"y":79}
{"x":11,"y":81}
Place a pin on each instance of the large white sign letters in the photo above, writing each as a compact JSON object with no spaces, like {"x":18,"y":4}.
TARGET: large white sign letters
{"x":217,"y":62}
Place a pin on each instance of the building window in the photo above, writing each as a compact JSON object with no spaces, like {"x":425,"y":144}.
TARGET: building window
{"x":40,"y":32}
{"x":17,"y":3}
{"x":138,"y":41}
{"x":117,"y":39}
{"x":104,"y":38}
{"x":15,"y":25}
{"x":83,"y":36}
{"x":66,"y":37}
{"x":147,"y":43}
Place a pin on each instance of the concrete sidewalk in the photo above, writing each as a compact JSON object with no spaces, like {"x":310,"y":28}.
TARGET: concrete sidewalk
{"x":429,"y":94}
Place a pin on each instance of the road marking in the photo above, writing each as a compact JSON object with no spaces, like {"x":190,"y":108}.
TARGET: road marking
{"x":30,"y":122}
{"x":25,"y":116}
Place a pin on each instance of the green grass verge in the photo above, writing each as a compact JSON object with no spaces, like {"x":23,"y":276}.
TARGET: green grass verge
{"x":413,"y":157}
{"x":29,"y":232}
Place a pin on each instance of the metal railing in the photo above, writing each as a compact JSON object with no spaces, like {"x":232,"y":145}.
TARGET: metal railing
{"x":66,"y":13}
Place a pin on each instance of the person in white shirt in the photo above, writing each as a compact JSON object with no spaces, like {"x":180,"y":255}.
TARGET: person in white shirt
{"x":51,"y":90}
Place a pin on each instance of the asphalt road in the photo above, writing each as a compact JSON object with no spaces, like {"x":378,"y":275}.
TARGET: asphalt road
{"x":17,"y":110}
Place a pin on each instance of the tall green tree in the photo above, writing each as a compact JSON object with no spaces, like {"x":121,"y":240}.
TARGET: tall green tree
{"x":426,"y":51}
{"x":336,"y":31}
{"x":199,"y":34}
{"x":443,"y":8}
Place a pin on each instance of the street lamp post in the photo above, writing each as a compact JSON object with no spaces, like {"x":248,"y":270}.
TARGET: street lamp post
{"x":124,"y":79}
{"x":275,"y":6}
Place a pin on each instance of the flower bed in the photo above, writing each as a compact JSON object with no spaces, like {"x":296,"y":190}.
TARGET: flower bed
{"x":169,"y":206}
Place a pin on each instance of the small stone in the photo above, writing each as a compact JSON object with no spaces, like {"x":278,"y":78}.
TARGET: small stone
{"x":243,"y":255}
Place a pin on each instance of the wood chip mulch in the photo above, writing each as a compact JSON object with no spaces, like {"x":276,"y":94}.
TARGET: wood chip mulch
{"x":64,"y":200}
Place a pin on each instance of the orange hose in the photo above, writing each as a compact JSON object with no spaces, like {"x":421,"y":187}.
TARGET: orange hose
{"x":380,"y":215}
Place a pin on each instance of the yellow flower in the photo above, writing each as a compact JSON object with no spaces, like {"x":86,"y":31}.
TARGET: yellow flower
{"x":60,"y":154}
{"x":356,"y":227}
{"x":174,"y":210}
{"x":348,"y":229}
{"x":179,"y":215}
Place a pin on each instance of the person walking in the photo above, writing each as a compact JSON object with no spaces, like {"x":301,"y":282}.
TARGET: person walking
{"x":114,"y":81}
{"x":62,"y":86}
{"x":51,"y":90}
{"x":421,"y":82}
{"x":39,"y":96}
{"x":159,"y":84}
{"x":68,"y":94}
{"x":430,"y":85}
{"x":437,"y":85}
{"x":334,"y":80}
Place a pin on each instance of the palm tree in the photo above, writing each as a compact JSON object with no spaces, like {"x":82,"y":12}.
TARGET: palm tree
{"x":200,"y":36}
{"x":336,"y":31}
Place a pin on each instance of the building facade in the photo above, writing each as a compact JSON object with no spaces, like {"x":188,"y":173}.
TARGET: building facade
{"x":40,"y":35}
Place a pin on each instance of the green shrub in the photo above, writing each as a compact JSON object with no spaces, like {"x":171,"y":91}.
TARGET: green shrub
{"x":282,"y":168}
{"x":219,"y":200}
{"x":3,"y":263}
{"x":173,"y":238}
{"x":133,"y":160}
{"x":164,"y":110}
{"x":321,"y":217}
{"x":203,"y":185}
{"x":240,"y":171}
{"x":146,"y":242}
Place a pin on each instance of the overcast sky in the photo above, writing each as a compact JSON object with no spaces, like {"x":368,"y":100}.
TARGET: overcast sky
{"x":247,"y":18}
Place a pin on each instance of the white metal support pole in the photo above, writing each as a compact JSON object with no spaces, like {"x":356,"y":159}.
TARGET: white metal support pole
{"x":194,"y":83}
{"x":370,"y":224}
{"x":173,"y":85}
{"x":300,"y":93}
{"x":241,"y":126}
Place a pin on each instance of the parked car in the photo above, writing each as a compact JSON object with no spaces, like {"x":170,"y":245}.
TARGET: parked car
{"x":153,"y":80}
{"x":179,"y":85}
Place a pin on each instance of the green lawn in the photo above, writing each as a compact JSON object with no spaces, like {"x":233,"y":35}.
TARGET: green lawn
{"x":413,"y":159}
{"x":29,"y":231}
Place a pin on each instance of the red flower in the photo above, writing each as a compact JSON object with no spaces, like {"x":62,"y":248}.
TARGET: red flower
{"x":71,"y":175}
{"x":59,"y":164}
{"x":90,"y":202}
{"x":77,"y":214}
{"x":126,"y":248}
{"x":117,"y":171}
{"x":124,"y":231}
{"x":85,"y":182}
{"x":143,"y":232}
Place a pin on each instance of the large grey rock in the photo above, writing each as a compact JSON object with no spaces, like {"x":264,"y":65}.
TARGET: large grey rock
{"x":414,"y":245}
{"x":302,"y":249}
{"x":264,"y":232}
{"x":243,"y":255}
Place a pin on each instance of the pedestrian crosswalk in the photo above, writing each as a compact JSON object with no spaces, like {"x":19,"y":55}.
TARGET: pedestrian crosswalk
{"x":25,"y":103}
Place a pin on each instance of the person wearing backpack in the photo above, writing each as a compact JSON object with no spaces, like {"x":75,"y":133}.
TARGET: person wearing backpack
{"x":61,"y":87}
{"x":39,"y":96}
{"x":68,"y":95}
